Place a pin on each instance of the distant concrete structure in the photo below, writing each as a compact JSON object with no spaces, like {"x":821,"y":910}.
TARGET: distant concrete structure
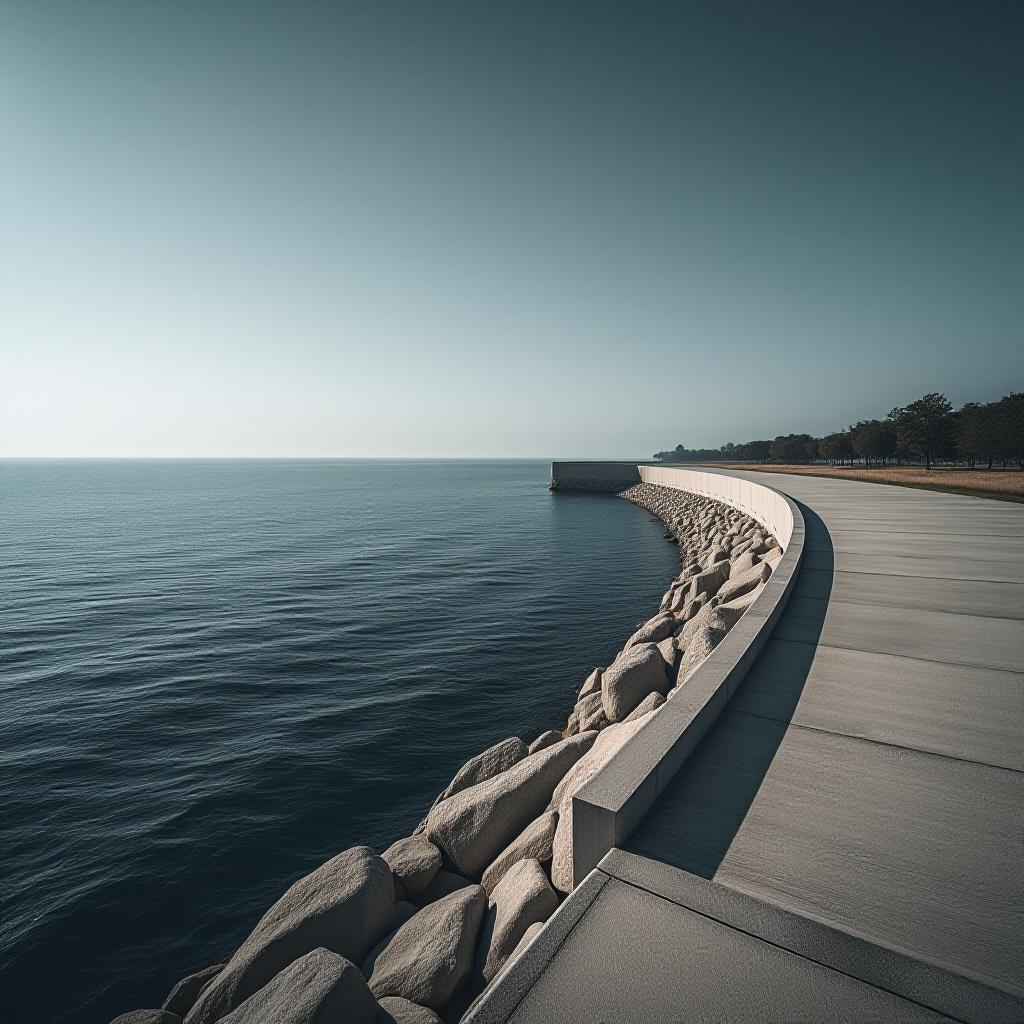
{"x":844,"y":842}
{"x":594,"y":476}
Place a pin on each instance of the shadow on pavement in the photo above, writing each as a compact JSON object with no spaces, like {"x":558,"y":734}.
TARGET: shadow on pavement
{"x":695,"y":820}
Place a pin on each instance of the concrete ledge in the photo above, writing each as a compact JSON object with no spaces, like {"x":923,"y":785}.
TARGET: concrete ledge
{"x":640,"y":940}
{"x":609,"y":807}
{"x":928,"y":984}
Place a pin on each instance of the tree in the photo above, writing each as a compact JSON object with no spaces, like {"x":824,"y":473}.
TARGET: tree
{"x":790,"y":448}
{"x":837,"y":447}
{"x":753,"y":451}
{"x":978,"y":433}
{"x":874,"y":439}
{"x":760,"y":451}
{"x":924,"y":426}
{"x":928,"y":429}
{"x":682,"y":454}
{"x":676,"y":455}
{"x":1008,"y":414}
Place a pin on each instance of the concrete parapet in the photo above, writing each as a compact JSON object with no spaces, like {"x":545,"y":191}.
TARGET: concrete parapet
{"x":609,"y":807}
{"x":769,"y":507}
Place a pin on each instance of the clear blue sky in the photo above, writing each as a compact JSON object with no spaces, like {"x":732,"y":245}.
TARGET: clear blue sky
{"x":427,"y":229}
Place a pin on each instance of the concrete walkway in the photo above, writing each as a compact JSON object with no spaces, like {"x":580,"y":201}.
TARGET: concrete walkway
{"x":847,"y":843}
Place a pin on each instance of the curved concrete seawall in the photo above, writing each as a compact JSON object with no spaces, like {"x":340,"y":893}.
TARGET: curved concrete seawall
{"x":844,"y":843}
{"x":772,"y":509}
{"x":609,"y":807}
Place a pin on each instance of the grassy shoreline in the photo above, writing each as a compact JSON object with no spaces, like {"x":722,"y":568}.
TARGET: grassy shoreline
{"x":997,"y":484}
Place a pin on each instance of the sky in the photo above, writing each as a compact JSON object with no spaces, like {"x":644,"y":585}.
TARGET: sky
{"x":517,"y":229}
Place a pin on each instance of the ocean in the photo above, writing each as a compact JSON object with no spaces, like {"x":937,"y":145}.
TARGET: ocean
{"x":215,"y":675}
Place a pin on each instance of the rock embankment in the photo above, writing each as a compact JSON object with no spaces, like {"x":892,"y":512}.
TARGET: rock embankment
{"x":415,"y":934}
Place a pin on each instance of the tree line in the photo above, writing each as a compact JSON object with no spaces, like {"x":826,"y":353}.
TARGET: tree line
{"x":927,"y":431}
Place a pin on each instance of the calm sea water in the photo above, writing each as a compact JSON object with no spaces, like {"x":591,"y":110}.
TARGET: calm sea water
{"x":216,"y":675}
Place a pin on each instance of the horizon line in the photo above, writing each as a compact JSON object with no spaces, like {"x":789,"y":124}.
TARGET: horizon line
{"x":320,"y":458}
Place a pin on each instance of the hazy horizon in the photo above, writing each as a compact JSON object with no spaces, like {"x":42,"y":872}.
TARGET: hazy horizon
{"x":487,"y":231}
{"x":314,"y":458}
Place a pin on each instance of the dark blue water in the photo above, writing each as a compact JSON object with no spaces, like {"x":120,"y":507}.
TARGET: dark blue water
{"x":216,"y":675}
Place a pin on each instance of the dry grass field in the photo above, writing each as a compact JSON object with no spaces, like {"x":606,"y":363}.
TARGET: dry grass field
{"x":1004,"y":485}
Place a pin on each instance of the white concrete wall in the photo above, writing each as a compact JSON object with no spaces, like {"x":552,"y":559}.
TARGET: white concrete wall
{"x":768,"y":507}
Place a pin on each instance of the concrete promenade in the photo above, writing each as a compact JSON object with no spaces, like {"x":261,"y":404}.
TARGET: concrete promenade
{"x":847,"y":842}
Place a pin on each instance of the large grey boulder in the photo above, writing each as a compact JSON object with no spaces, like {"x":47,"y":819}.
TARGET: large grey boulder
{"x":472,"y":826}
{"x":710,"y":580}
{"x":318,"y":988}
{"x":650,"y":703}
{"x":692,"y":624}
{"x":443,"y":884}
{"x":652,"y":631}
{"x":592,"y":716}
{"x":592,"y":684}
{"x":535,"y":841}
{"x":403,"y":912}
{"x":414,"y":862}
{"x":739,"y":605}
{"x":741,"y":547}
{"x":710,"y":615}
{"x":586,"y":705}
{"x":716,"y":554}
{"x":668,"y":650}
{"x":431,"y":955}
{"x":690,"y":610}
{"x":346,"y":905}
{"x":699,"y":646}
{"x":741,"y":563}
{"x":147,"y":1017}
{"x":491,"y":762}
{"x":396,"y":1010}
{"x":737,"y":586}
{"x":545,"y":740}
{"x":183,"y":996}
{"x":522,"y":898}
{"x":608,"y":744}
{"x":727,"y":615}
{"x":637,"y":672}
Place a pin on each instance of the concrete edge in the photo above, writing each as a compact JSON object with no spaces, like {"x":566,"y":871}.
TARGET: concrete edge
{"x":513,"y":982}
{"x":936,"y":986}
{"x":611,"y":805}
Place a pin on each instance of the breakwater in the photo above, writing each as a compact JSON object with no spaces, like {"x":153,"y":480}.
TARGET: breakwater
{"x":423,"y":928}
{"x":599,"y":477}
